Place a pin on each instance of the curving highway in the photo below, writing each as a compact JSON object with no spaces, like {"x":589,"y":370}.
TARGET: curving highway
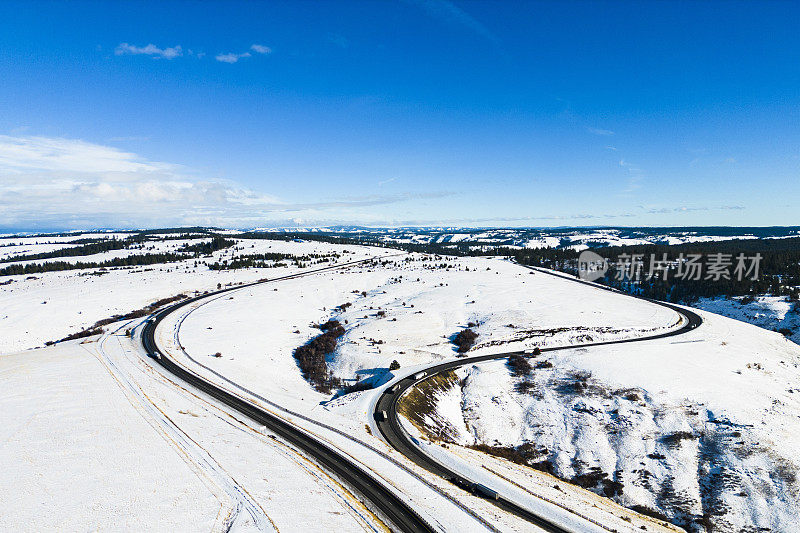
{"x":389,"y":504}
{"x":388,"y":424}
{"x":397,"y":511}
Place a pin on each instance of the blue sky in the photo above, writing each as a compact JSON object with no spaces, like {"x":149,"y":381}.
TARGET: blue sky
{"x":396,"y":113}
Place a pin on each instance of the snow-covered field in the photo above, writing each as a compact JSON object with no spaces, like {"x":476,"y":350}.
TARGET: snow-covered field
{"x":577,"y":238}
{"x":94,"y":438}
{"x":668,"y":420}
{"x":774,"y":313}
{"x":73,"y":446}
{"x":14,"y":246}
{"x":703,"y":428}
{"x":51,"y":305}
{"x":154,"y":247}
{"x":423,"y":305}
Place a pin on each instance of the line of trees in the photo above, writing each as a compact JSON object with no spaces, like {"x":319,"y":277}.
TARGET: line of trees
{"x":185,"y":252}
{"x":311,"y":356}
{"x":207,"y":248}
{"x":270,"y":260}
{"x":97,"y":327}
{"x":91,"y":248}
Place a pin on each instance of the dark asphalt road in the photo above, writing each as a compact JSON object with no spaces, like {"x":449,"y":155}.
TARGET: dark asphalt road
{"x":394,"y":434}
{"x":398,"y":512}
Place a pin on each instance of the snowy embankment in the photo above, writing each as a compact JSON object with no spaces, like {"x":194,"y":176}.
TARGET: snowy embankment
{"x":775,"y":313}
{"x":406,"y":310}
{"x":94,"y":437}
{"x":703,"y":429}
{"x":51,"y":305}
{"x":76,"y":454}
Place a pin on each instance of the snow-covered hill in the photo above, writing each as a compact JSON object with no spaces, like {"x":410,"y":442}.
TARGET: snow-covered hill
{"x":775,"y":313}
{"x":574,"y":238}
{"x":701,"y":429}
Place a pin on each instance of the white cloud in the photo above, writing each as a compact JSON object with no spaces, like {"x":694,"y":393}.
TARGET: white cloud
{"x":690,"y":209}
{"x":55,"y":183}
{"x":635,"y":176}
{"x":56,"y":154}
{"x":231,"y":57}
{"x":177,"y":51}
{"x":150,"y":49}
{"x":261,"y":49}
{"x":599,"y":131}
{"x":449,"y":13}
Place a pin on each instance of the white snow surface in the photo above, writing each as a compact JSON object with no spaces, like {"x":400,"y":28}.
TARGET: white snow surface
{"x":704,"y":426}
{"x":768,"y":312}
{"x":256,"y":330}
{"x":96,"y":438}
{"x":73,"y":446}
{"x":51,"y":305}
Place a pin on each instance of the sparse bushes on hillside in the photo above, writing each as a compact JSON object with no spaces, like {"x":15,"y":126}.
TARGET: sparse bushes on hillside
{"x":311,"y":356}
{"x":526,"y":387}
{"x":596,"y":479}
{"x":330,"y":324}
{"x":519,"y":365}
{"x":96,"y":329}
{"x":525,"y":454}
{"x":674,"y":439}
{"x":465,"y":339}
{"x":80,"y":335}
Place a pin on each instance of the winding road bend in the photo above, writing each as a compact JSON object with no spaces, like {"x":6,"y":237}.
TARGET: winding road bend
{"x":389,"y":425}
{"x":389,"y":504}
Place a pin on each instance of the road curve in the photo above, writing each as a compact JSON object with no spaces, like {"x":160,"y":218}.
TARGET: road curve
{"x":397,"y":511}
{"x":391,"y":429}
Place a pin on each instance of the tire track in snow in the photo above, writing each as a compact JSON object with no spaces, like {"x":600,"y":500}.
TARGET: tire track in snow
{"x":212,"y":297}
{"x":318,"y":475}
{"x":203,"y":463}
